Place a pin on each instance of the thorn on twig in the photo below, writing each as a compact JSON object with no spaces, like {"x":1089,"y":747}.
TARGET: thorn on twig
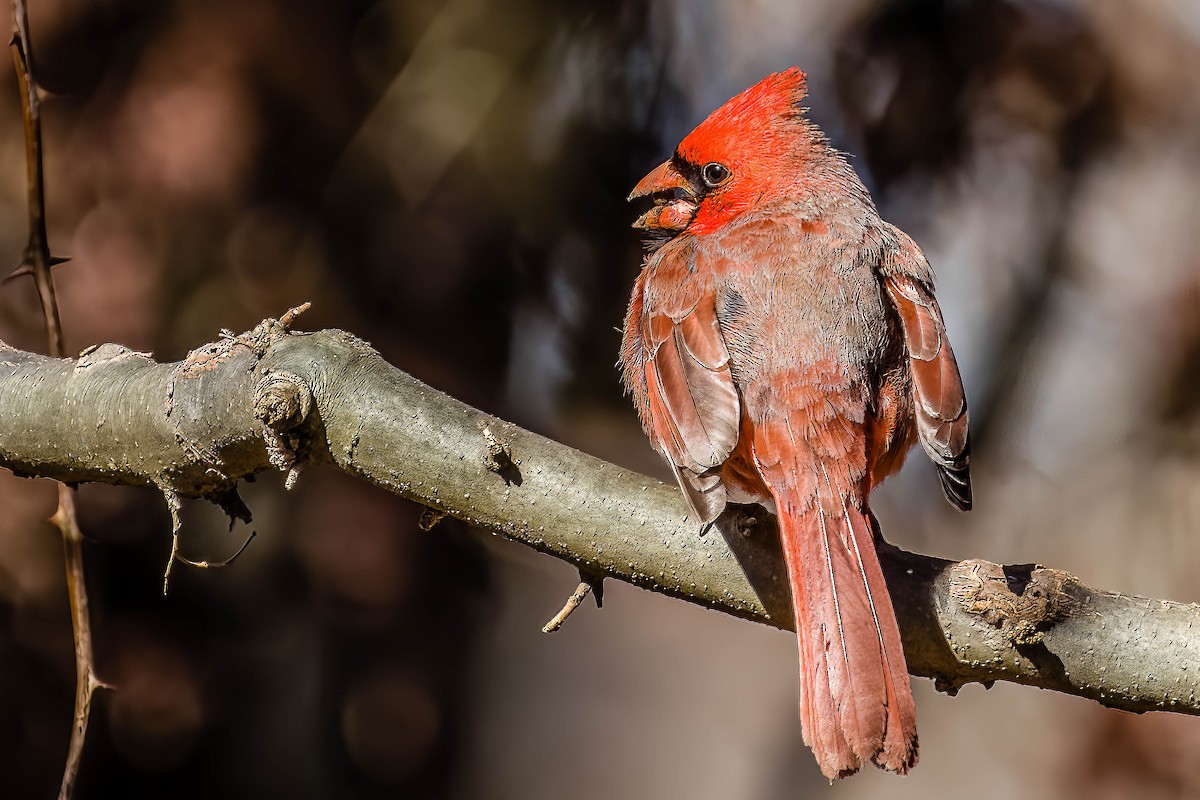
{"x":27,"y":269}
{"x":589,"y":584}
{"x":95,"y":683}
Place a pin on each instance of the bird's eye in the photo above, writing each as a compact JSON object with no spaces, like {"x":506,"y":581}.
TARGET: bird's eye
{"x":715,"y":174}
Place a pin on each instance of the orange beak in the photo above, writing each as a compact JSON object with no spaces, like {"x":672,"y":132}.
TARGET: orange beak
{"x":674,"y":199}
{"x":662,"y":179}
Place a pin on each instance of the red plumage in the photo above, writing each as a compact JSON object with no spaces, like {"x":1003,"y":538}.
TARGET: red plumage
{"x":783,"y":347}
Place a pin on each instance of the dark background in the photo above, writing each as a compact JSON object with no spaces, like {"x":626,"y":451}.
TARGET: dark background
{"x":446,"y":180}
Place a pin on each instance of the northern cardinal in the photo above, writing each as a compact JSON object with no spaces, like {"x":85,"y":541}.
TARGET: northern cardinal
{"x":783,"y":347}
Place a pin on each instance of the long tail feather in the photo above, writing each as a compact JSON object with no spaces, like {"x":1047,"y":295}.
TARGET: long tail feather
{"x":856,"y":700}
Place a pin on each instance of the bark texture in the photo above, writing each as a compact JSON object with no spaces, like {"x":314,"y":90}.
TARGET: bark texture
{"x":273,"y":399}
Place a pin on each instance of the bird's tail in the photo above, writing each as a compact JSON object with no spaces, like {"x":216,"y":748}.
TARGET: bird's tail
{"x":856,"y":702}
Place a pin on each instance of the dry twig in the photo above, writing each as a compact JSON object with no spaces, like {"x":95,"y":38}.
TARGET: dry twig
{"x":587,"y":585}
{"x":578,"y":596}
{"x":37,"y":261}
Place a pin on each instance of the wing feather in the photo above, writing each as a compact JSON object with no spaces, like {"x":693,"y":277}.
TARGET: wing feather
{"x":941,"y":402}
{"x":694,"y":405}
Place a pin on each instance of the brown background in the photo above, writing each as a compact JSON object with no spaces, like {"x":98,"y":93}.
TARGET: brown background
{"x":446,"y":179}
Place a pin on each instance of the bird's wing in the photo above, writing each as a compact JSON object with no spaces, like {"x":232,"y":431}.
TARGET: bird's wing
{"x":939,"y":399}
{"x":693,"y":405}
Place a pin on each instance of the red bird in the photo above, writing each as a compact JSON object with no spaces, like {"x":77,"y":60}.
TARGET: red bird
{"x":783,"y":347}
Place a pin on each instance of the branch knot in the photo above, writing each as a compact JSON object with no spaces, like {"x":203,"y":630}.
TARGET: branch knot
{"x":1022,"y":601}
{"x":282,"y":402}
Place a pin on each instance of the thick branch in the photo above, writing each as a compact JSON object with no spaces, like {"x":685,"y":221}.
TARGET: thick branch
{"x":269,"y":397}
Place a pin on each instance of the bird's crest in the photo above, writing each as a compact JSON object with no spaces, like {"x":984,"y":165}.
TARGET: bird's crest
{"x":779,"y":94}
{"x":753,"y":114}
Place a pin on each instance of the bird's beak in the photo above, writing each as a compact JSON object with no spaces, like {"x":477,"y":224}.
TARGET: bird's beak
{"x":662,"y":179}
{"x":674,"y":199}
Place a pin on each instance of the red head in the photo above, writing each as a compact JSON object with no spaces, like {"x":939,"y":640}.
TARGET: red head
{"x":748,"y":152}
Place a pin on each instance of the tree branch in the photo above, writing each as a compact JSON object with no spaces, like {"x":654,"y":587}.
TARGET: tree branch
{"x":272,"y":398}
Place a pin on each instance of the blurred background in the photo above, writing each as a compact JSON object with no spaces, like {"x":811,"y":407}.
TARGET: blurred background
{"x":446,"y":179}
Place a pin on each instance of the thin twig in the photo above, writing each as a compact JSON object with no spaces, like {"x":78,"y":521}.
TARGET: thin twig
{"x":289,"y":316}
{"x":173,"y":505}
{"x":577,"y":597}
{"x":25,"y":269}
{"x":36,"y":257}
{"x":37,"y":261}
{"x":589,"y":583}
{"x":218,"y":564}
{"x":86,"y":681}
